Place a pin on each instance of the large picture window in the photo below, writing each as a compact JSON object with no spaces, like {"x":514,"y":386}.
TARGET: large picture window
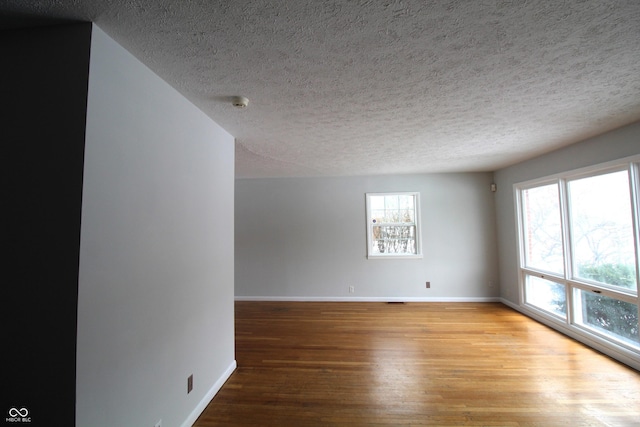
{"x":579,"y":241}
{"x":393,"y":229}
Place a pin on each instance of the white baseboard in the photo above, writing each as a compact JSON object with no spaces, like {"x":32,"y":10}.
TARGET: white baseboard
{"x":509,"y":303}
{"x":369,"y":299}
{"x":193,"y":416}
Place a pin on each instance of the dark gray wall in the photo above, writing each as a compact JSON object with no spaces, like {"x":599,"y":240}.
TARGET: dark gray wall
{"x":44,"y":77}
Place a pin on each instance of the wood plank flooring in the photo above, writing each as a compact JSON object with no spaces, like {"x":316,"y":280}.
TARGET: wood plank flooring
{"x":415,"y":364}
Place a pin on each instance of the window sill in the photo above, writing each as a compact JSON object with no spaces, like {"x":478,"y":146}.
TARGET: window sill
{"x":418,"y":256}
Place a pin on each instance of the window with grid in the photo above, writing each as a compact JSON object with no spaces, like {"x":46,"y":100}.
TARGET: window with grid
{"x":393,"y":229}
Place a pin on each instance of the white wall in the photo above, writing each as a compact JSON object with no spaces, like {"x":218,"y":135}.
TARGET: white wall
{"x":155,"y":297}
{"x":305,"y":238}
{"x":613,"y":145}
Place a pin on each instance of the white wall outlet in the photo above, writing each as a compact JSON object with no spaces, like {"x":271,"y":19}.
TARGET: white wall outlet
{"x":352,"y":289}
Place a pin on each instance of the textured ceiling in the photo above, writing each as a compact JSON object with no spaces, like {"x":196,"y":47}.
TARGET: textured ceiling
{"x":379,"y":87}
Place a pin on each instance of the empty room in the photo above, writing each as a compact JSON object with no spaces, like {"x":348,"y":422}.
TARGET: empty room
{"x":321,"y":213}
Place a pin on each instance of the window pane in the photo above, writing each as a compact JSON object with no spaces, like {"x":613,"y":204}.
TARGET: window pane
{"x":546,"y":295}
{"x":393,"y":209}
{"x":602,"y":229}
{"x":377,"y":216}
{"x":393,"y":240}
{"x":408,"y":216}
{"x":615,"y":318}
{"x":391,"y":202}
{"x":406,"y":201}
{"x":542,"y":229}
{"x":376,"y":202}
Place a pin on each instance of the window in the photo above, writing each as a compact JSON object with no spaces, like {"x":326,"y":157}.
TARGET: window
{"x":543,"y":237}
{"x":601,"y":225}
{"x":393,"y":229}
{"x":546,"y":295}
{"x":579,"y":250}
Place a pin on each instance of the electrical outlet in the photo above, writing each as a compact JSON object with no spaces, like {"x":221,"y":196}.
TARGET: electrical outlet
{"x":428,"y":285}
{"x":352,"y":289}
{"x":189,"y":383}
{"x":158,"y":424}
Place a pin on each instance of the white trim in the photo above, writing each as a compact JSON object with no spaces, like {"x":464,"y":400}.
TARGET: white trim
{"x":579,"y":173}
{"x":416,"y":224}
{"x":202,"y":405}
{"x":620,"y":354}
{"x":393,"y":256}
{"x":367,"y":299}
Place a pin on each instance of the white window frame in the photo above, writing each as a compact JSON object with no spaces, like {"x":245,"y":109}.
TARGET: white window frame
{"x":416,"y":223}
{"x":573,"y":284}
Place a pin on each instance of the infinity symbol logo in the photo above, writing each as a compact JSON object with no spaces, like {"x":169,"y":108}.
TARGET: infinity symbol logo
{"x":23,"y":412}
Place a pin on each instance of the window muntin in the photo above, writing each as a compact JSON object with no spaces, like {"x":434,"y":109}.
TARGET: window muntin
{"x":593,"y":285}
{"x":393,"y":225}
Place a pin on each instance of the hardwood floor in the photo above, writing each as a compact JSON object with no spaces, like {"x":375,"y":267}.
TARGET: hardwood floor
{"x":414,"y":364}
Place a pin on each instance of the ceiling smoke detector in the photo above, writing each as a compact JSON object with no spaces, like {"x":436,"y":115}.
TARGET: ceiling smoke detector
{"x":239,"y":101}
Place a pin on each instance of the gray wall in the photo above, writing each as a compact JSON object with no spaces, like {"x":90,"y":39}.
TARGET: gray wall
{"x":305,"y":238}
{"x":613,"y":145}
{"x":155,"y":301}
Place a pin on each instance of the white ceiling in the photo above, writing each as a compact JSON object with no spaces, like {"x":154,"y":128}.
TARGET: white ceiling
{"x":383,"y":86}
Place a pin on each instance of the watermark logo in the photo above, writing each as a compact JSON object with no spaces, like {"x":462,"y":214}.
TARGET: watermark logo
{"x":18,"y":415}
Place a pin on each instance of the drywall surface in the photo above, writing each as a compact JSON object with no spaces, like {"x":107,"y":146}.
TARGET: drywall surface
{"x":613,"y":145}
{"x":155,"y":300}
{"x":305,"y":238}
{"x":43,"y":96}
